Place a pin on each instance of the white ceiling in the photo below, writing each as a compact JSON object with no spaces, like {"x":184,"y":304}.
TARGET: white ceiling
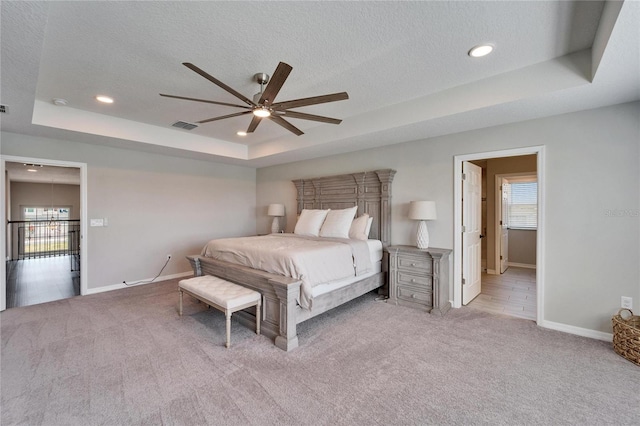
{"x":404,"y":65}
{"x":21,"y":172}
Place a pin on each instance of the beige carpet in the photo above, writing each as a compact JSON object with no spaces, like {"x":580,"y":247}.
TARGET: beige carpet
{"x":126,"y":357}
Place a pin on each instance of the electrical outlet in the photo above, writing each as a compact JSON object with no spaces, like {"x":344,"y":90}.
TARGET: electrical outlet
{"x":168,"y":256}
{"x":626,"y":302}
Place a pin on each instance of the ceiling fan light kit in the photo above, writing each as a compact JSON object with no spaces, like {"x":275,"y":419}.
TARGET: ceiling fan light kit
{"x":262,"y":105}
{"x":261,"y":111}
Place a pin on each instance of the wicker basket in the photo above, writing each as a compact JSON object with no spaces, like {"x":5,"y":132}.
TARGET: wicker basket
{"x":626,"y":336}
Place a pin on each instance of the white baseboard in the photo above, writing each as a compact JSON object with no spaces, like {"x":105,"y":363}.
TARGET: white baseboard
{"x":579,"y":331}
{"x":142,"y":282}
{"x":492,"y":272}
{"x":522,"y":265}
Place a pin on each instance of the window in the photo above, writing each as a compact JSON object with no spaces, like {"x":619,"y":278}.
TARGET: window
{"x":522,"y":200}
{"x":46,"y":213}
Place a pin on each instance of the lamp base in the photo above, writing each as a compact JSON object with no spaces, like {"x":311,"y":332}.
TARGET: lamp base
{"x":275,"y":225}
{"x":423,"y":235}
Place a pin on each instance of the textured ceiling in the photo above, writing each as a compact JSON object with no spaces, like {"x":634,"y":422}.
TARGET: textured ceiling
{"x":404,"y":65}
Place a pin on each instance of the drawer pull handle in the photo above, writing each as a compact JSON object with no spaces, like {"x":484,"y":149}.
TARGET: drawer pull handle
{"x":413,"y":280}
{"x":413,"y":296}
{"x":413,"y":264}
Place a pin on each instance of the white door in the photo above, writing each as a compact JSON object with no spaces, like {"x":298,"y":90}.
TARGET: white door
{"x":471,"y":227}
{"x":505,"y":190}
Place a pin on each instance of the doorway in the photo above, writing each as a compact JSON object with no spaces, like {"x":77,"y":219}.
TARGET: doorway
{"x":45,"y":248}
{"x":528,"y":276}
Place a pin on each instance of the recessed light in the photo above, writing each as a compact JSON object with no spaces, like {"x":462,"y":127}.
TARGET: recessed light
{"x":481,"y":50}
{"x":104,"y":99}
{"x":59,"y":101}
{"x":241,"y":133}
{"x":31,"y":170}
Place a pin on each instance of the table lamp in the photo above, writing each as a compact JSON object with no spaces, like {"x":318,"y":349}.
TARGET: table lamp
{"x":422,"y":211}
{"x":277,"y":211}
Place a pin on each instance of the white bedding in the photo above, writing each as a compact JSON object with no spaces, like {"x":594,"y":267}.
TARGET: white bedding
{"x":334,"y":285}
{"x":315,"y":261}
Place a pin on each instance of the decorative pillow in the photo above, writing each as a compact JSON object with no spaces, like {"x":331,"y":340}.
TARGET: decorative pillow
{"x":338,"y":222}
{"x":310,"y":222}
{"x":358,"y":229}
{"x":369,"y":223}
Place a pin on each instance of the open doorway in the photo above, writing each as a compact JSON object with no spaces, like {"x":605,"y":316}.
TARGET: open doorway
{"x":510,"y":285}
{"x":44,"y":210}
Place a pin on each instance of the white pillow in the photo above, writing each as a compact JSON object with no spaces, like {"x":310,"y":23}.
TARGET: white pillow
{"x":310,"y":222}
{"x":338,"y":222}
{"x":369,"y":223}
{"x":358,"y":229}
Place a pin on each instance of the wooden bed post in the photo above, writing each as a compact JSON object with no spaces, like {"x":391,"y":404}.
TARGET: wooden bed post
{"x":288,"y":337}
{"x":197,"y":269}
{"x":386,"y":178}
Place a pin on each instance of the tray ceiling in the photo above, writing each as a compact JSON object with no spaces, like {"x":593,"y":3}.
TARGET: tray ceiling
{"x":404,"y":65}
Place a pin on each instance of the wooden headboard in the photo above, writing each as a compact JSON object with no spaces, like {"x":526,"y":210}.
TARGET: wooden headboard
{"x":370,"y":191}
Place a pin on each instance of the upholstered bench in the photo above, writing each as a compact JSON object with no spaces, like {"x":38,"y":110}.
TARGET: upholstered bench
{"x":222,"y":295}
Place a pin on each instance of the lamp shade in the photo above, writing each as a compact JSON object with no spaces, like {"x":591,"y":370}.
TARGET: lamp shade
{"x":275,"y":210}
{"x":422,"y":210}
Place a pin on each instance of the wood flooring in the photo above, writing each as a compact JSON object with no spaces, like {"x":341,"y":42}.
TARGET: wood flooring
{"x":34,"y":281}
{"x":512,"y":293}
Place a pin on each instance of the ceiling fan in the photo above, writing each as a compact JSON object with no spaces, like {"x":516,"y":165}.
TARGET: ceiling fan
{"x":262,"y":105}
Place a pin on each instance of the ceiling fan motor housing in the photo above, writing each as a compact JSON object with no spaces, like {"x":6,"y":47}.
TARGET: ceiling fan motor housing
{"x":261,"y":78}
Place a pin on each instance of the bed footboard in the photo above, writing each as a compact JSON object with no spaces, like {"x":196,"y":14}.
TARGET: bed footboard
{"x":279,"y":296}
{"x":281,"y":312}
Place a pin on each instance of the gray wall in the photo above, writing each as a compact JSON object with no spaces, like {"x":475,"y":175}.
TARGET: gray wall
{"x":522,"y":246}
{"x":592,"y":169}
{"x":155,"y":205}
{"x":25,"y":194}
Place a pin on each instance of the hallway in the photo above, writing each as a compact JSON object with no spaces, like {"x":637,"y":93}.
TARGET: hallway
{"x":34,"y":281}
{"x":512,"y":293}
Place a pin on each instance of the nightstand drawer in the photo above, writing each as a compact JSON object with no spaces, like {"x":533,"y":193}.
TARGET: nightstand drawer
{"x":414,"y":263}
{"x":414,"y":280}
{"x":414,"y":295}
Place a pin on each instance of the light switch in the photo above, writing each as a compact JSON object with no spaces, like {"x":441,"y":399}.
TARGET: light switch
{"x":96,"y":222}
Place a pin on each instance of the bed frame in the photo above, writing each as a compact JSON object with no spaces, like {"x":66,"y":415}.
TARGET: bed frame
{"x":371,"y":192}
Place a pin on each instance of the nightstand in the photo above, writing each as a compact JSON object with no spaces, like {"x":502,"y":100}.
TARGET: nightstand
{"x":419,"y":278}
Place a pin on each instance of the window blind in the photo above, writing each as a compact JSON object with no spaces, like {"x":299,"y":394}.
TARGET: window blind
{"x":523,"y":205}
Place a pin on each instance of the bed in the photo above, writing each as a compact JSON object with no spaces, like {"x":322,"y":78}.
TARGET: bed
{"x":370,"y":192}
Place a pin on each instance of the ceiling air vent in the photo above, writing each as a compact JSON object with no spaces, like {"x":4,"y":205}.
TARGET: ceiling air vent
{"x":4,"y":109}
{"x":184,"y":125}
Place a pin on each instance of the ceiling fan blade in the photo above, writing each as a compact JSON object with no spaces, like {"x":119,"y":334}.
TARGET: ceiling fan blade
{"x":311,"y":101}
{"x":223,"y":117}
{"x":254,"y":123}
{"x":219,"y":83}
{"x":275,"y":83}
{"x":284,"y":123}
{"x":312,"y":117}
{"x":204,"y":100}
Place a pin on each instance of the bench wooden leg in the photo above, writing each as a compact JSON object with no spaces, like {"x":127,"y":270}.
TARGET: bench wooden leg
{"x":258,"y":317}
{"x":228,"y":314}
{"x":180,"y":309}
